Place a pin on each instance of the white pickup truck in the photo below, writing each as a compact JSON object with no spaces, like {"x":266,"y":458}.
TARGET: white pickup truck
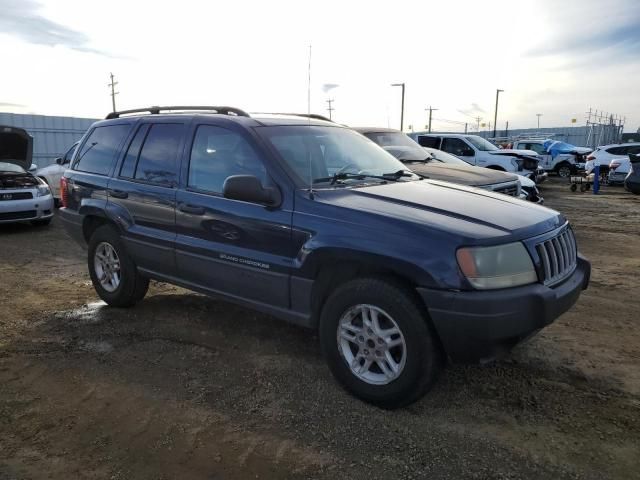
{"x":477,"y":151}
{"x":564,"y":164}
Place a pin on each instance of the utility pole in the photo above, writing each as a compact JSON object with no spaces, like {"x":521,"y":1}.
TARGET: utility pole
{"x":402,"y":107}
{"x":430,"y":112}
{"x":538,"y":115}
{"x":495,"y":118}
{"x":113,"y":91}
{"x":506,"y":129}
{"x":330,"y":108}
{"x":465,"y":127}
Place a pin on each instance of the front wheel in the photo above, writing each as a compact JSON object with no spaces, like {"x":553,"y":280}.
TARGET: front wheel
{"x":564,"y":171}
{"x":378,"y":343}
{"x":113,"y":273}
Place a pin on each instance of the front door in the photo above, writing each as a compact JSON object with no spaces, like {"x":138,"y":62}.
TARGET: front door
{"x":228,"y":246}
{"x":142,"y":193}
{"x":459,"y":148}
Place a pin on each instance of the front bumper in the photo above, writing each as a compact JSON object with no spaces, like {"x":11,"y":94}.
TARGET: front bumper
{"x":37,"y":208}
{"x":480,"y":325}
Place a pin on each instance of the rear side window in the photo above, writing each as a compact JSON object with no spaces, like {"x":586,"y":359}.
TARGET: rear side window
{"x":158,"y":159}
{"x":617,"y":150}
{"x":130,"y":161}
{"x":99,"y":151}
{"x":431,"y":142}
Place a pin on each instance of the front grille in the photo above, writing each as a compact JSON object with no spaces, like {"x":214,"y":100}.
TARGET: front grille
{"x":18,"y":215}
{"x":15,"y":196}
{"x":511,"y":190}
{"x":558,"y":256}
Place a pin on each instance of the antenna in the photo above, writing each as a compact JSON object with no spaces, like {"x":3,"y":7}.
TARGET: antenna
{"x":309,"y":119}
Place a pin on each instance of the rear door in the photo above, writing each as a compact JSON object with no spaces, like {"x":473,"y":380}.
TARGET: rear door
{"x":142,"y":193}
{"x":237,"y":248}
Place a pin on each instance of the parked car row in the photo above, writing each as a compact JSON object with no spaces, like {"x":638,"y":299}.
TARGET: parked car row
{"x":313,"y":223}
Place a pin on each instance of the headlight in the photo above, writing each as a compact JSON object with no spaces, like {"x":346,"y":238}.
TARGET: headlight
{"x":502,"y":266}
{"x":43,"y":190}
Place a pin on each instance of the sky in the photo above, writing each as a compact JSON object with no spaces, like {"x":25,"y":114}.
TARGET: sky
{"x":557,"y":58}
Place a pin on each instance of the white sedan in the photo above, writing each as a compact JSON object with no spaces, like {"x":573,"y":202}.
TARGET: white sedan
{"x":52,"y":173}
{"x":23,"y":196}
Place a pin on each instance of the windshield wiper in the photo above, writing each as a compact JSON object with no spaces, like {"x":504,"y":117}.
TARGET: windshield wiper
{"x":336,"y":177}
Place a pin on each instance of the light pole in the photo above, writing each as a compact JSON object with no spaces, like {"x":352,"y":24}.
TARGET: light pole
{"x":495,"y":118}
{"x":538,"y":115}
{"x":402,"y":107}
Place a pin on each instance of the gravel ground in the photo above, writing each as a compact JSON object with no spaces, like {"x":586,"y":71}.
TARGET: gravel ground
{"x":182,"y":386}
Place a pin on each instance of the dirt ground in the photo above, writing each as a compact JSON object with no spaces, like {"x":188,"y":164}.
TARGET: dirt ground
{"x":182,"y":386}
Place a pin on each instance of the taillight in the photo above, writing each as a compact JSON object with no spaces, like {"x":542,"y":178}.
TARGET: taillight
{"x":591,"y":157}
{"x":614,"y":164}
{"x":63,"y":192}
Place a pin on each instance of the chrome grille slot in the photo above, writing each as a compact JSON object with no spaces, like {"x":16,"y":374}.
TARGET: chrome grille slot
{"x":558,"y":256}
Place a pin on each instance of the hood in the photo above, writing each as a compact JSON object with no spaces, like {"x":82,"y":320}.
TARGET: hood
{"x":479,"y":216}
{"x":17,"y":180}
{"x":514,"y":152}
{"x":461,"y":174}
{"x":16,"y":146}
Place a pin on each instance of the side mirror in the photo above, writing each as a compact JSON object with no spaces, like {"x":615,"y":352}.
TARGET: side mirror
{"x":33,"y":168}
{"x":59,"y":161}
{"x":248,"y":188}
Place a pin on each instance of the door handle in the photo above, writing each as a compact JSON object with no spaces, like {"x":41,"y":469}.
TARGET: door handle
{"x":192,"y":209}
{"x":118,"y":193}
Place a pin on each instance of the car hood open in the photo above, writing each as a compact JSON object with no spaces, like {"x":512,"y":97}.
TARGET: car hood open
{"x":478,"y":215}
{"x":16,"y":146}
{"x":461,"y":174}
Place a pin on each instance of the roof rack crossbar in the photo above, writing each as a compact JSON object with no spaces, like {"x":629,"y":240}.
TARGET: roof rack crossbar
{"x":314,"y":116}
{"x":156,"y":110}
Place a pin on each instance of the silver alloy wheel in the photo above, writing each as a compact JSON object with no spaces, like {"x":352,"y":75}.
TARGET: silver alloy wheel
{"x":372,"y":344}
{"x":564,"y":171}
{"x":107,"y":266}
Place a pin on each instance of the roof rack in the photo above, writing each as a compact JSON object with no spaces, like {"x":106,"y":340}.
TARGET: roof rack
{"x":314,"y":116}
{"x":157,"y":110}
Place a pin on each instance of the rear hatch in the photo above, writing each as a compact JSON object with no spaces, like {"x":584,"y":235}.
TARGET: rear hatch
{"x":16,"y":146}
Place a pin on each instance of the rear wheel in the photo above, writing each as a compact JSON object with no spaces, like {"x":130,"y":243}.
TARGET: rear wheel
{"x":113,"y":273}
{"x":378,"y":344}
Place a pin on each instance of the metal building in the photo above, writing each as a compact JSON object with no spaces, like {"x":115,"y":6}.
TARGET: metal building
{"x":52,"y":136}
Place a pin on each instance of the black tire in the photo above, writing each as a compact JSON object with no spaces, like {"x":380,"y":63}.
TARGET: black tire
{"x":133,"y":286}
{"x":424,"y":357}
{"x":563,"y":170}
{"x":574,"y":187}
{"x":41,"y":223}
{"x":583,"y":187}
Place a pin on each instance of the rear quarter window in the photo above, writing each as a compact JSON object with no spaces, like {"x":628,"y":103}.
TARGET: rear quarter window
{"x":98,"y":153}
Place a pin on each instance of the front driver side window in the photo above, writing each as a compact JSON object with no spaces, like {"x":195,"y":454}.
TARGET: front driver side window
{"x":218,"y":153}
{"x":457,"y":147}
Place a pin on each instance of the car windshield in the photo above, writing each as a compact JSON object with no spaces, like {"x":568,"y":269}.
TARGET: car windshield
{"x":481,"y":144}
{"x":10,"y":167}
{"x":445,"y":157}
{"x":399,"y":145}
{"x":318,"y":153}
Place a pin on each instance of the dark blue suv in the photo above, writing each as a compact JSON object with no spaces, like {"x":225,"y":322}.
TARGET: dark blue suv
{"x":311,"y":222}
